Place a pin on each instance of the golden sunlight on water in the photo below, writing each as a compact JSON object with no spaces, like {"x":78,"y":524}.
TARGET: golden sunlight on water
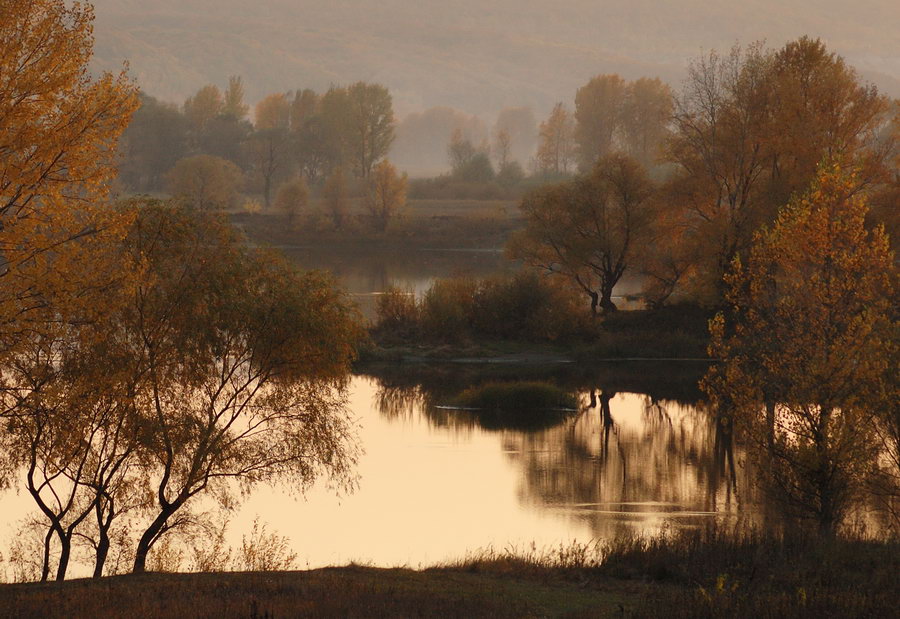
{"x":431,"y":491}
{"x":434,"y":484}
{"x":426,"y":494}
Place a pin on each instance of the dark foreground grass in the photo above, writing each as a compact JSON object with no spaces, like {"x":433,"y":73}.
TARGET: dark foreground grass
{"x":712,"y":573}
{"x":333,"y":592}
{"x":689,"y":574}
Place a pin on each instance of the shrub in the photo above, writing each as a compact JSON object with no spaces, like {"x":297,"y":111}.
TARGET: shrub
{"x":514,"y":396}
{"x":397,"y":310}
{"x":448,"y":308}
{"x":525,"y":306}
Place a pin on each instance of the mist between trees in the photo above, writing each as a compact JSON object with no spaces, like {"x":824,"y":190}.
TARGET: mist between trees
{"x":670,"y":185}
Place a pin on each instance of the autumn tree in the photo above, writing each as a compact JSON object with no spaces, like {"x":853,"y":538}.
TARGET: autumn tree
{"x":203,"y":106}
{"x":521,"y":126}
{"x":233,"y":100}
{"x":370,"y":125}
{"x":460,"y":151}
{"x":598,"y":117}
{"x":749,"y":129}
{"x":316,"y":148}
{"x":205,"y":181}
{"x":153,"y":142}
{"x":248,"y":360}
{"x":587,"y":229}
{"x":334,"y":110}
{"x":72,"y":431}
{"x":273,"y":112}
{"x":422,"y":137}
{"x":58,"y":138}
{"x":502,"y":148}
{"x":806,"y":344}
{"x":556,"y":144}
{"x":303,"y":107}
{"x":385,"y":195}
{"x":821,"y":109}
{"x":645,"y":117}
{"x":225,"y":136}
{"x":268,"y":151}
{"x":669,"y":255}
{"x":291,"y":199}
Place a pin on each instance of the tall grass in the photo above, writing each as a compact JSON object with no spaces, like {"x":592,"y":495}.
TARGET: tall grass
{"x":718,"y":572}
{"x":522,"y":405}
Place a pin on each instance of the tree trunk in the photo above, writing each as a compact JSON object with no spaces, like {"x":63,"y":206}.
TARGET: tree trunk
{"x":102,"y":553}
{"x":770,"y":423}
{"x":595,"y":298}
{"x":65,"y":542}
{"x":149,"y":538}
{"x":606,"y":303}
{"x":267,"y":191}
{"x":45,"y":568}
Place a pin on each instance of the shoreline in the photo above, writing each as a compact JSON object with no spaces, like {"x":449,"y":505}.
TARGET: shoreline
{"x":689,"y":574}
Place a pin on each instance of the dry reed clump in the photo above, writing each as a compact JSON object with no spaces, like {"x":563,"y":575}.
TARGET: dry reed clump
{"x":524,"y":306}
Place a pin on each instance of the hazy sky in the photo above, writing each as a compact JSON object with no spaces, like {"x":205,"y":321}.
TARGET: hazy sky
{"x":477,"y":55}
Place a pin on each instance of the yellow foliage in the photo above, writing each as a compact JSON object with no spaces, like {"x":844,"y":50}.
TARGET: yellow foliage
{"x":806,"y":346}
{"x":57,"y":143}
{"x":386,"y":196}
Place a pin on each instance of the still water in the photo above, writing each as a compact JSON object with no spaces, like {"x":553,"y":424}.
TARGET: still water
{"x":639,"y":455}
{"x":435,"y":485}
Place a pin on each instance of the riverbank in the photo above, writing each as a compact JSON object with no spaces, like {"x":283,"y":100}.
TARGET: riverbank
{"x":439,"y":224}
{"x":676,"y":333}
{"x":693,"y":574}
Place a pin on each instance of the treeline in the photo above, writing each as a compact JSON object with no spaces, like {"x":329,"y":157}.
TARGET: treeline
{"x":679,"y":197}
{"x":295,"y":134}
{"x":345,"y":131}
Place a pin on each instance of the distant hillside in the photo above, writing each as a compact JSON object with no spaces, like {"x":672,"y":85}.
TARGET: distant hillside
{"x":474,"y":55}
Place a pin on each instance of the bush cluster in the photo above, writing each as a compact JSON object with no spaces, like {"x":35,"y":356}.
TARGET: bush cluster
{"x":524,"y":306}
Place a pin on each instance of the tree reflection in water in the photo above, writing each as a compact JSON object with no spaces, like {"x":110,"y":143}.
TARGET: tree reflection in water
{"x":626,"y":462}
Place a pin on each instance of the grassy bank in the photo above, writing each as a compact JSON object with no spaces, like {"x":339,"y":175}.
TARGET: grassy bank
{"x":424,"y":223}
{"x":332,"y":592}
{"x":692,"y":574}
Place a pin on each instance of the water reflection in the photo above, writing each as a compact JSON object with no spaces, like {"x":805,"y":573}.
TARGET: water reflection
{"x":434,"y":483}
{"x":630,"y":460}
{"x":625,"y":461}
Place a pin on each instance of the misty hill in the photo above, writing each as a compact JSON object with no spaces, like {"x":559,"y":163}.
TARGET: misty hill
{"x":470,"y":54}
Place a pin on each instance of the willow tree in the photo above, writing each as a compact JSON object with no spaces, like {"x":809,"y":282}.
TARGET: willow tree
{"x":57,"y":142}
{"x":243,"y":362}
{"x":806,"y":345}
{"x":587,"y":229}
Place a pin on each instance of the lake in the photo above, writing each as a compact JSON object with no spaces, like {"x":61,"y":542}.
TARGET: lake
{"x":639,"y":456}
